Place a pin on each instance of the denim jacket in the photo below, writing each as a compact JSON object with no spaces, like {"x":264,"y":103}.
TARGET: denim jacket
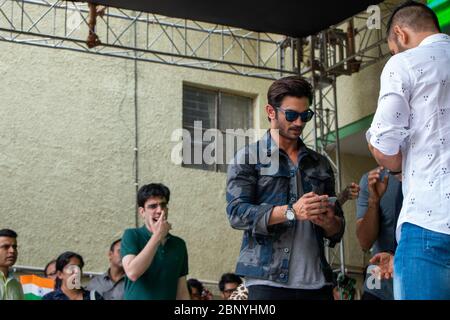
{"x":257,"y":181}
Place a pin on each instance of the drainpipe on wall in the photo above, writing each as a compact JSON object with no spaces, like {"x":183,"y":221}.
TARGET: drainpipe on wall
{"x":136,"y":136}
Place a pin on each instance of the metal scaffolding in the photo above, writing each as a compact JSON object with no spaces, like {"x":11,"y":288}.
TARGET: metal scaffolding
{"x":146,"y":37}
{"x":340,"y":50}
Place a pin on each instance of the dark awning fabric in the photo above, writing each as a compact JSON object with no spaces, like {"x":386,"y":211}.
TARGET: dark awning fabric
{"x":288,"y":17}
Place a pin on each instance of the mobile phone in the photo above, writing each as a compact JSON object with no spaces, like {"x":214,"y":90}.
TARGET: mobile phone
{"x":383,"y":173}
{"x":332,"y":200}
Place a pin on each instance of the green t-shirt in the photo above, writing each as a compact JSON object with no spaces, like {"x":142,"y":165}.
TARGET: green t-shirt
{"x":160,"y":281}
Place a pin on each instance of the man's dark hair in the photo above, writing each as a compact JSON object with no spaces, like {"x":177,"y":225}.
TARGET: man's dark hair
{"x":48,"y":265}
{"x":194,"y":283}
{"x":229,"y":278}
{"x":63,"y":260}
{"x":152,"y":190}
{"x":293,"y":86}
{"x":8,"y":233}
{"x":111,"y":248}
{"x":417,"y":16}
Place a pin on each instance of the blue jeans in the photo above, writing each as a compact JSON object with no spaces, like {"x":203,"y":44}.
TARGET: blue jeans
{"x":422,"y":265}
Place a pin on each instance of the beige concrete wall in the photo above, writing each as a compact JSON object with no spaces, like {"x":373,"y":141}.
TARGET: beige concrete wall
{"x":66,"y":152}
{"x":357,"y":94}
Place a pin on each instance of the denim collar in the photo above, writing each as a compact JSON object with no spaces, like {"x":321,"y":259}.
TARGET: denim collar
{"x":272,"y":147}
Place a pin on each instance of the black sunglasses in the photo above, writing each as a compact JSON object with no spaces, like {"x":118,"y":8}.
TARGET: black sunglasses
{"x":292,"y":115}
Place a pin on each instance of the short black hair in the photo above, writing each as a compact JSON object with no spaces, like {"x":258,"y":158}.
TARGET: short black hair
{"x":111,"y":248}
{"x":194,"y":283}
{"x":152,"y":190}
{"x":228,"y":278}
{"x":48,"y":265}
{"x":416,"y":15}
{"x":292,"y":86}
{"x":8,"y":233}
{"x":63,"y":260}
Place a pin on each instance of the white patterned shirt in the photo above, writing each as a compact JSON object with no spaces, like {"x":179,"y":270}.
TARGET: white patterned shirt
{"x":413,"y":116}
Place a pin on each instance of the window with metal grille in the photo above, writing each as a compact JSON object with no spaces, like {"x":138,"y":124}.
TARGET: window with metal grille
{"x":205,"y":109}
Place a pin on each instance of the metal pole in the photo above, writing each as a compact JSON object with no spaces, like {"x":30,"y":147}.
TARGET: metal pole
{"x":338,"y":165}
{"x":136,"y":129}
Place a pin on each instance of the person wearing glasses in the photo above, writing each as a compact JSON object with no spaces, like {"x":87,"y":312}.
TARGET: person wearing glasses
{"x":50,"y":270}
{"x":281,"y":194}
{"x":228,"y":283}
{"x":155,"y":261}
{"x":69,"y":271}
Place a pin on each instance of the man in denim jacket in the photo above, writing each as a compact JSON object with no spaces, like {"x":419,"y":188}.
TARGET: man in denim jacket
{"x":279,"y":193}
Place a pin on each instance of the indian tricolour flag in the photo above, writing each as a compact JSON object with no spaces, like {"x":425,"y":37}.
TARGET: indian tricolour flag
{"x":34,"y":287}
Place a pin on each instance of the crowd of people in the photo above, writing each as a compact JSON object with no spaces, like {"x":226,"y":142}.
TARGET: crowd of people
{"x":66,"y":272}
{"x":286,"y":205}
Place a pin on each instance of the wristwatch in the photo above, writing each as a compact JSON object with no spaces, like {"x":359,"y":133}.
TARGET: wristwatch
{"x":290,"y":213}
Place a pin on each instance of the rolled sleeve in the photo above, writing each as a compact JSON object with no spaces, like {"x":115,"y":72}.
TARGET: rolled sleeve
{"x":362,"y":203}
{"x":338,"y":236}
{"x":390,"y":125}
{"x":128,"y":245}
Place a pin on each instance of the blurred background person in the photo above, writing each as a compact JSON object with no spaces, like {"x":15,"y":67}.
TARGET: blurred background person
{"x":50,"y":270}
{"x":69,"y":266}
{"x":111,"y":284}
{"x":197,"y":291}
{"x":10,"y":287}
{"x":228,"y":283}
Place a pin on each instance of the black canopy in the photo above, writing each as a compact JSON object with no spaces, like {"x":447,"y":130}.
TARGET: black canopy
{"x":287,"y":17}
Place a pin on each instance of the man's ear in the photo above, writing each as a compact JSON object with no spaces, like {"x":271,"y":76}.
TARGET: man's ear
{"x":141,"y":211}
{"x":401,"y":34}
{"x":271,"y":112}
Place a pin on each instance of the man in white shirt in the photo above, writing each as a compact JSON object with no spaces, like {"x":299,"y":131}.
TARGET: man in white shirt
{"x":410,"y":133}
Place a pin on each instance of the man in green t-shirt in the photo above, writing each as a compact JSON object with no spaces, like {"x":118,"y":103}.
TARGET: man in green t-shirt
{"x":155,"y":262}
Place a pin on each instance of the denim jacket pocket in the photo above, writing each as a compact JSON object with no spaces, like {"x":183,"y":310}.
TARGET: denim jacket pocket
{"x":273,"y":189}
{"x":316,"y":183}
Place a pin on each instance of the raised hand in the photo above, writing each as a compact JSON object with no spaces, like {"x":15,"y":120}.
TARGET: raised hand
{"x":161,"y":227}
{"x":377,"y":187}
{"x":385,"y":263}
{"x":351,"y":192}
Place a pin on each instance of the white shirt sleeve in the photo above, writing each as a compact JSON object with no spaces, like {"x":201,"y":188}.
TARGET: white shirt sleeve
{"x":390,"y":125}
